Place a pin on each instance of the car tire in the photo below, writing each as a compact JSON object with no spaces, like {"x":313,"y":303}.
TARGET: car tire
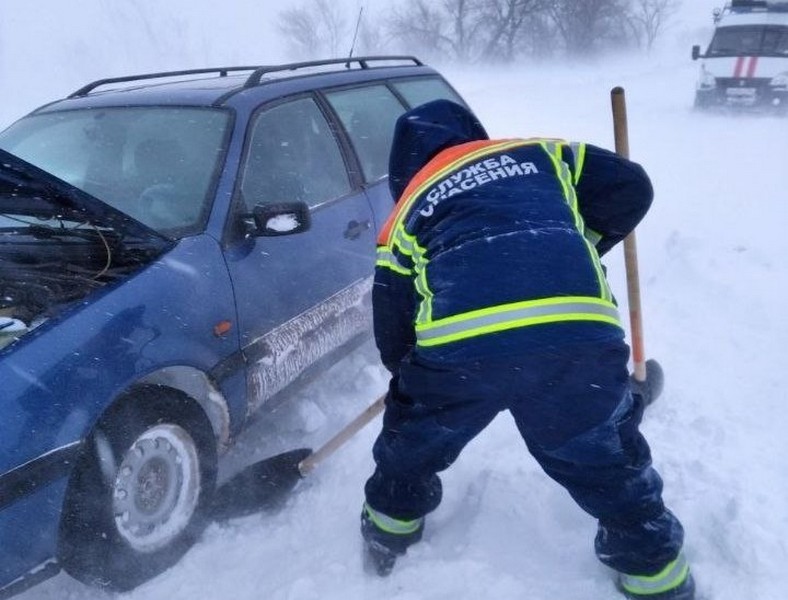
{"x":140,"y":492}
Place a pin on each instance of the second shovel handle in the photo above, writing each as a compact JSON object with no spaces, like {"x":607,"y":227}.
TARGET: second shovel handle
{"x":621,"y":134}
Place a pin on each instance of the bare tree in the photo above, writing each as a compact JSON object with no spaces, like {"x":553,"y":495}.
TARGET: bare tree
{"x":649,"y":17}
{"x":587,"y":26}
{"x":419,"y":28}
{"x":372,"y":37}
{"x":498,"y":30}
{"x":317,"y":27}
{"x":510,"y":24}
{"x":450,"y":28}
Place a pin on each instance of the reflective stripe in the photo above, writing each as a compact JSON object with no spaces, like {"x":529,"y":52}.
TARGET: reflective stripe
{"x":405,"y":243}
{"x":423,"y":289}
{"x":570,"y":194}
{"x":565,"y":179}
{"x":390,"y":524}
{"x":592,"y":236}
{"x":386,"y":258}
{"x":518,"y":314}
{"x":408,"y":245}
{"x":669,"y":578}
{"x":579,"y":150}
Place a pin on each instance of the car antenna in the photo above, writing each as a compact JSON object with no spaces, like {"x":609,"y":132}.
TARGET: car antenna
{"x":355,"y":36}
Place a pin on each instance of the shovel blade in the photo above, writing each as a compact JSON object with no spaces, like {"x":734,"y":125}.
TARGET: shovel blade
{"x":263,"y":485}
{"x":651,"y":388}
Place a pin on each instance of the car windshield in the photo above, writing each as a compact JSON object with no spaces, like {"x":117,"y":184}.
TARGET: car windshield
{"x":750,"y":40}
{"x":156,"y":164}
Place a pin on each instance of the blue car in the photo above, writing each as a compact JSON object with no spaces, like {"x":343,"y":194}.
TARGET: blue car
{"x":176,"y":250}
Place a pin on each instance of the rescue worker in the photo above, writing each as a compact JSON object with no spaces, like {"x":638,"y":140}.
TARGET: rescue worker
{"x":489,"y":295}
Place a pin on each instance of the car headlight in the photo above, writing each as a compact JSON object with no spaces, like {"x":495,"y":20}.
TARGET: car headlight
{"x":706,"y":81}
{"x":780,"y":81}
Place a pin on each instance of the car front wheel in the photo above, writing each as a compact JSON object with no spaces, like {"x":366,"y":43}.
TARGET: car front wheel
{"x":138,"y":497}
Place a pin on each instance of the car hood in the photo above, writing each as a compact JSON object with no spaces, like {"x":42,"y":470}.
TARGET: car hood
{"x":27,"y":190}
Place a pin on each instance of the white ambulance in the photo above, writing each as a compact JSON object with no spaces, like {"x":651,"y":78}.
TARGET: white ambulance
{"x":746,"y":62}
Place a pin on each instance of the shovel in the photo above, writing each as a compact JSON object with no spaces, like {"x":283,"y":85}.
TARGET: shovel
{"x":265,"y":484}
{"x":648,"y":378}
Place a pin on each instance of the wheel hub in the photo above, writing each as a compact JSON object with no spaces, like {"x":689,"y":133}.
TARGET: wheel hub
{"x":154,"y":483}
{"x":157,"y":487}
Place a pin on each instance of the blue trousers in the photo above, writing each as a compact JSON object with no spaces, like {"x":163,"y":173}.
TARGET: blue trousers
{"x":572,"y":406}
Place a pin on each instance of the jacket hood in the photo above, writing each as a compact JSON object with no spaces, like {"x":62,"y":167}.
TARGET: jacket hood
{"x":422,"y":132}
{"x":30,"y":191}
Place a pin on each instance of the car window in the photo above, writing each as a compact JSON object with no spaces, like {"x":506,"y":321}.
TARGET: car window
{"x":293,"y":156}
{"x":156,"y":164}
{"x":737,"y":41}
{"x":775,"y":41}
{"x":368,"y":115}
{"x":425,"y":89}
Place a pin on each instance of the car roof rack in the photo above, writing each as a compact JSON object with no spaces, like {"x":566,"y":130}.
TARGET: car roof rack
{"x":222,"y":72}
{"x":361,"y":62}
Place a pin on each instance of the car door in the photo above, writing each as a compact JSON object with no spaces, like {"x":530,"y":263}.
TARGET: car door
{"x":299,"y":296}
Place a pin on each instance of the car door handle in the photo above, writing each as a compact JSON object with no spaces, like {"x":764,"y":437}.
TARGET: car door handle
{"x":355,"y":229}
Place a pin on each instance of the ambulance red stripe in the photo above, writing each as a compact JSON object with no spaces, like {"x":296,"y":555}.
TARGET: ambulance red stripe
{"x":739,"y":66}
{"x":752,"y":66}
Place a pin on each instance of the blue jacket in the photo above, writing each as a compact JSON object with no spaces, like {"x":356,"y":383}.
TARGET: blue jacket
{"x":494,"y":245}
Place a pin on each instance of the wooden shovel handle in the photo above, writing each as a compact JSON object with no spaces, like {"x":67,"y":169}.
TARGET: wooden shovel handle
{"x":630,"y":245}
{"x":332,"y":445}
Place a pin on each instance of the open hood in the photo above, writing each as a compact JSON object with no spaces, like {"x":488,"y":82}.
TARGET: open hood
{"x":26,"y":190}
{"x":59,"y":244}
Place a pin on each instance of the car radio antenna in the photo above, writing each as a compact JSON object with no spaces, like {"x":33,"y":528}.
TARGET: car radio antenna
{"x":355,"y":34}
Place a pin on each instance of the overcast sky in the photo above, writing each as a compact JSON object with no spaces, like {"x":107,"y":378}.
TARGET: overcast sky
{"x":67,"y":44}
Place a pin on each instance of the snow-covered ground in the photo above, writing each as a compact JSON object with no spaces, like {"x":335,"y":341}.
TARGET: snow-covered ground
{"x":713,"y":273}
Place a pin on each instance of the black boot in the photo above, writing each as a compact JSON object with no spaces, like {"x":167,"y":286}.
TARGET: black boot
{"x":382,"y":547}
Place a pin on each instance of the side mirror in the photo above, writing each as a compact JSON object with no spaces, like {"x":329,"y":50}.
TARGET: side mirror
{"x":283,"y":218}
{"x":695,"y":52}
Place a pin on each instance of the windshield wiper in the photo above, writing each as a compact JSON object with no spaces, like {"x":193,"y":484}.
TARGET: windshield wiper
{"x":44,"y":230}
